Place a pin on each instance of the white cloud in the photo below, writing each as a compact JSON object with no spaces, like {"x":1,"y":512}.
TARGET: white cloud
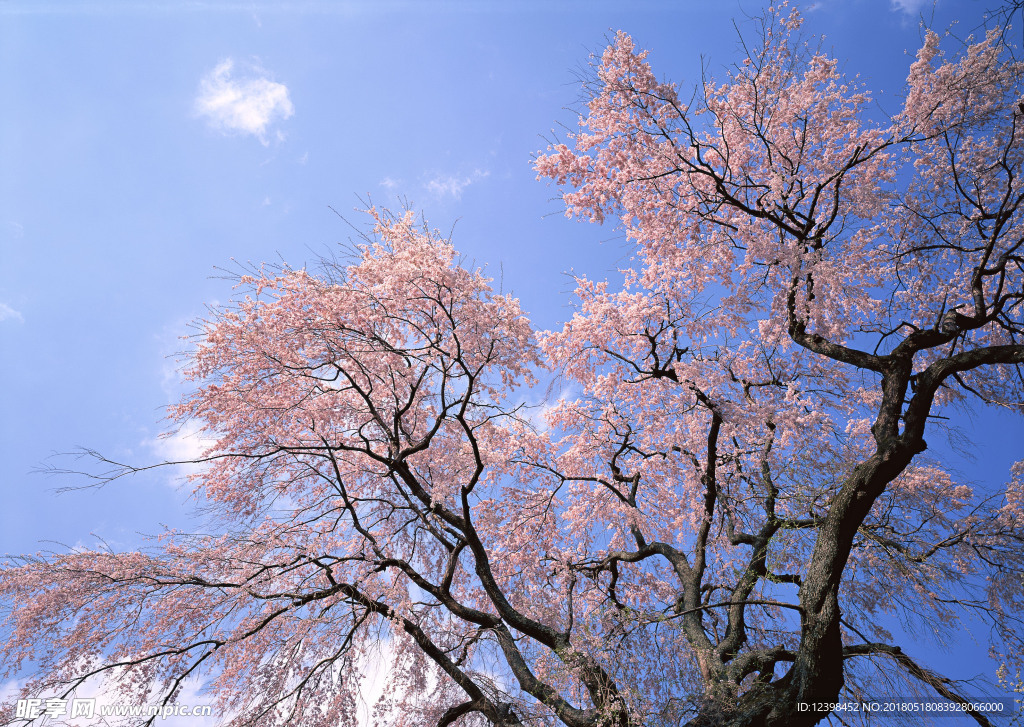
{"x":389,"y":183}
{"x":452,"y":185}
{"x":9,"y":314}
{"x":910,"y":7}
{"x":184,"y":448}
{"x":247,"y":102}
{"x":185,"y":445}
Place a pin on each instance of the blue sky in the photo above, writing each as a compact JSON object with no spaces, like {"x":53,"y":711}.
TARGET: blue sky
{"x":146,"y":144}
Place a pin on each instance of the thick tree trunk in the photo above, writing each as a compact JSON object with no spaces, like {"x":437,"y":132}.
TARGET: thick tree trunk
{"x":816,"y":676}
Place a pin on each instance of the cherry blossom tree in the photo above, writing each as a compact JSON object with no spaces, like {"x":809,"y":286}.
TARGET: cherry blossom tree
{"x":714,"y":522}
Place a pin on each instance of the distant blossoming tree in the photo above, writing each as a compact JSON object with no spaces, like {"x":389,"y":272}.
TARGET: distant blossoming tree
{"x":715,"y":522}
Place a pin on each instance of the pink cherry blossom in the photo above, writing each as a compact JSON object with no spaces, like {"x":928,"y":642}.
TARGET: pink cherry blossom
{"x":716,"y":520}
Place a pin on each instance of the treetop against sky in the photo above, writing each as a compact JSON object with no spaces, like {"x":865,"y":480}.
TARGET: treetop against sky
{"x":764,"y":456}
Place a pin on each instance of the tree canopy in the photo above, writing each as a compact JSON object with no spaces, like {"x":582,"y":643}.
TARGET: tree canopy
{"x":715,"y":519}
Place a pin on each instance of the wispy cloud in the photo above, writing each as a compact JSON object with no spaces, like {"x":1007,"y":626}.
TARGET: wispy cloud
{"x":910,"y":7}
{"x":389,"y":183}
{"x":183,"y":448}
{"x":184,"y":445}
{"x":449,"y":185}
{"x":244,"y":101}
{"x":9,"y":314}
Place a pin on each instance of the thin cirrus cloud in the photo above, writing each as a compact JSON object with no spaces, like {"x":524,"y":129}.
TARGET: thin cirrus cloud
{"x":181,"y":451}
{"x":910,"y":7}
{"x":242,"y":100}
{"x":450,"y":185}
{"x":9,"y":314}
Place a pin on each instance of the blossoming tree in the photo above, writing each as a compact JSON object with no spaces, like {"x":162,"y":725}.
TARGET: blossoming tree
{"x":715,"y":522}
